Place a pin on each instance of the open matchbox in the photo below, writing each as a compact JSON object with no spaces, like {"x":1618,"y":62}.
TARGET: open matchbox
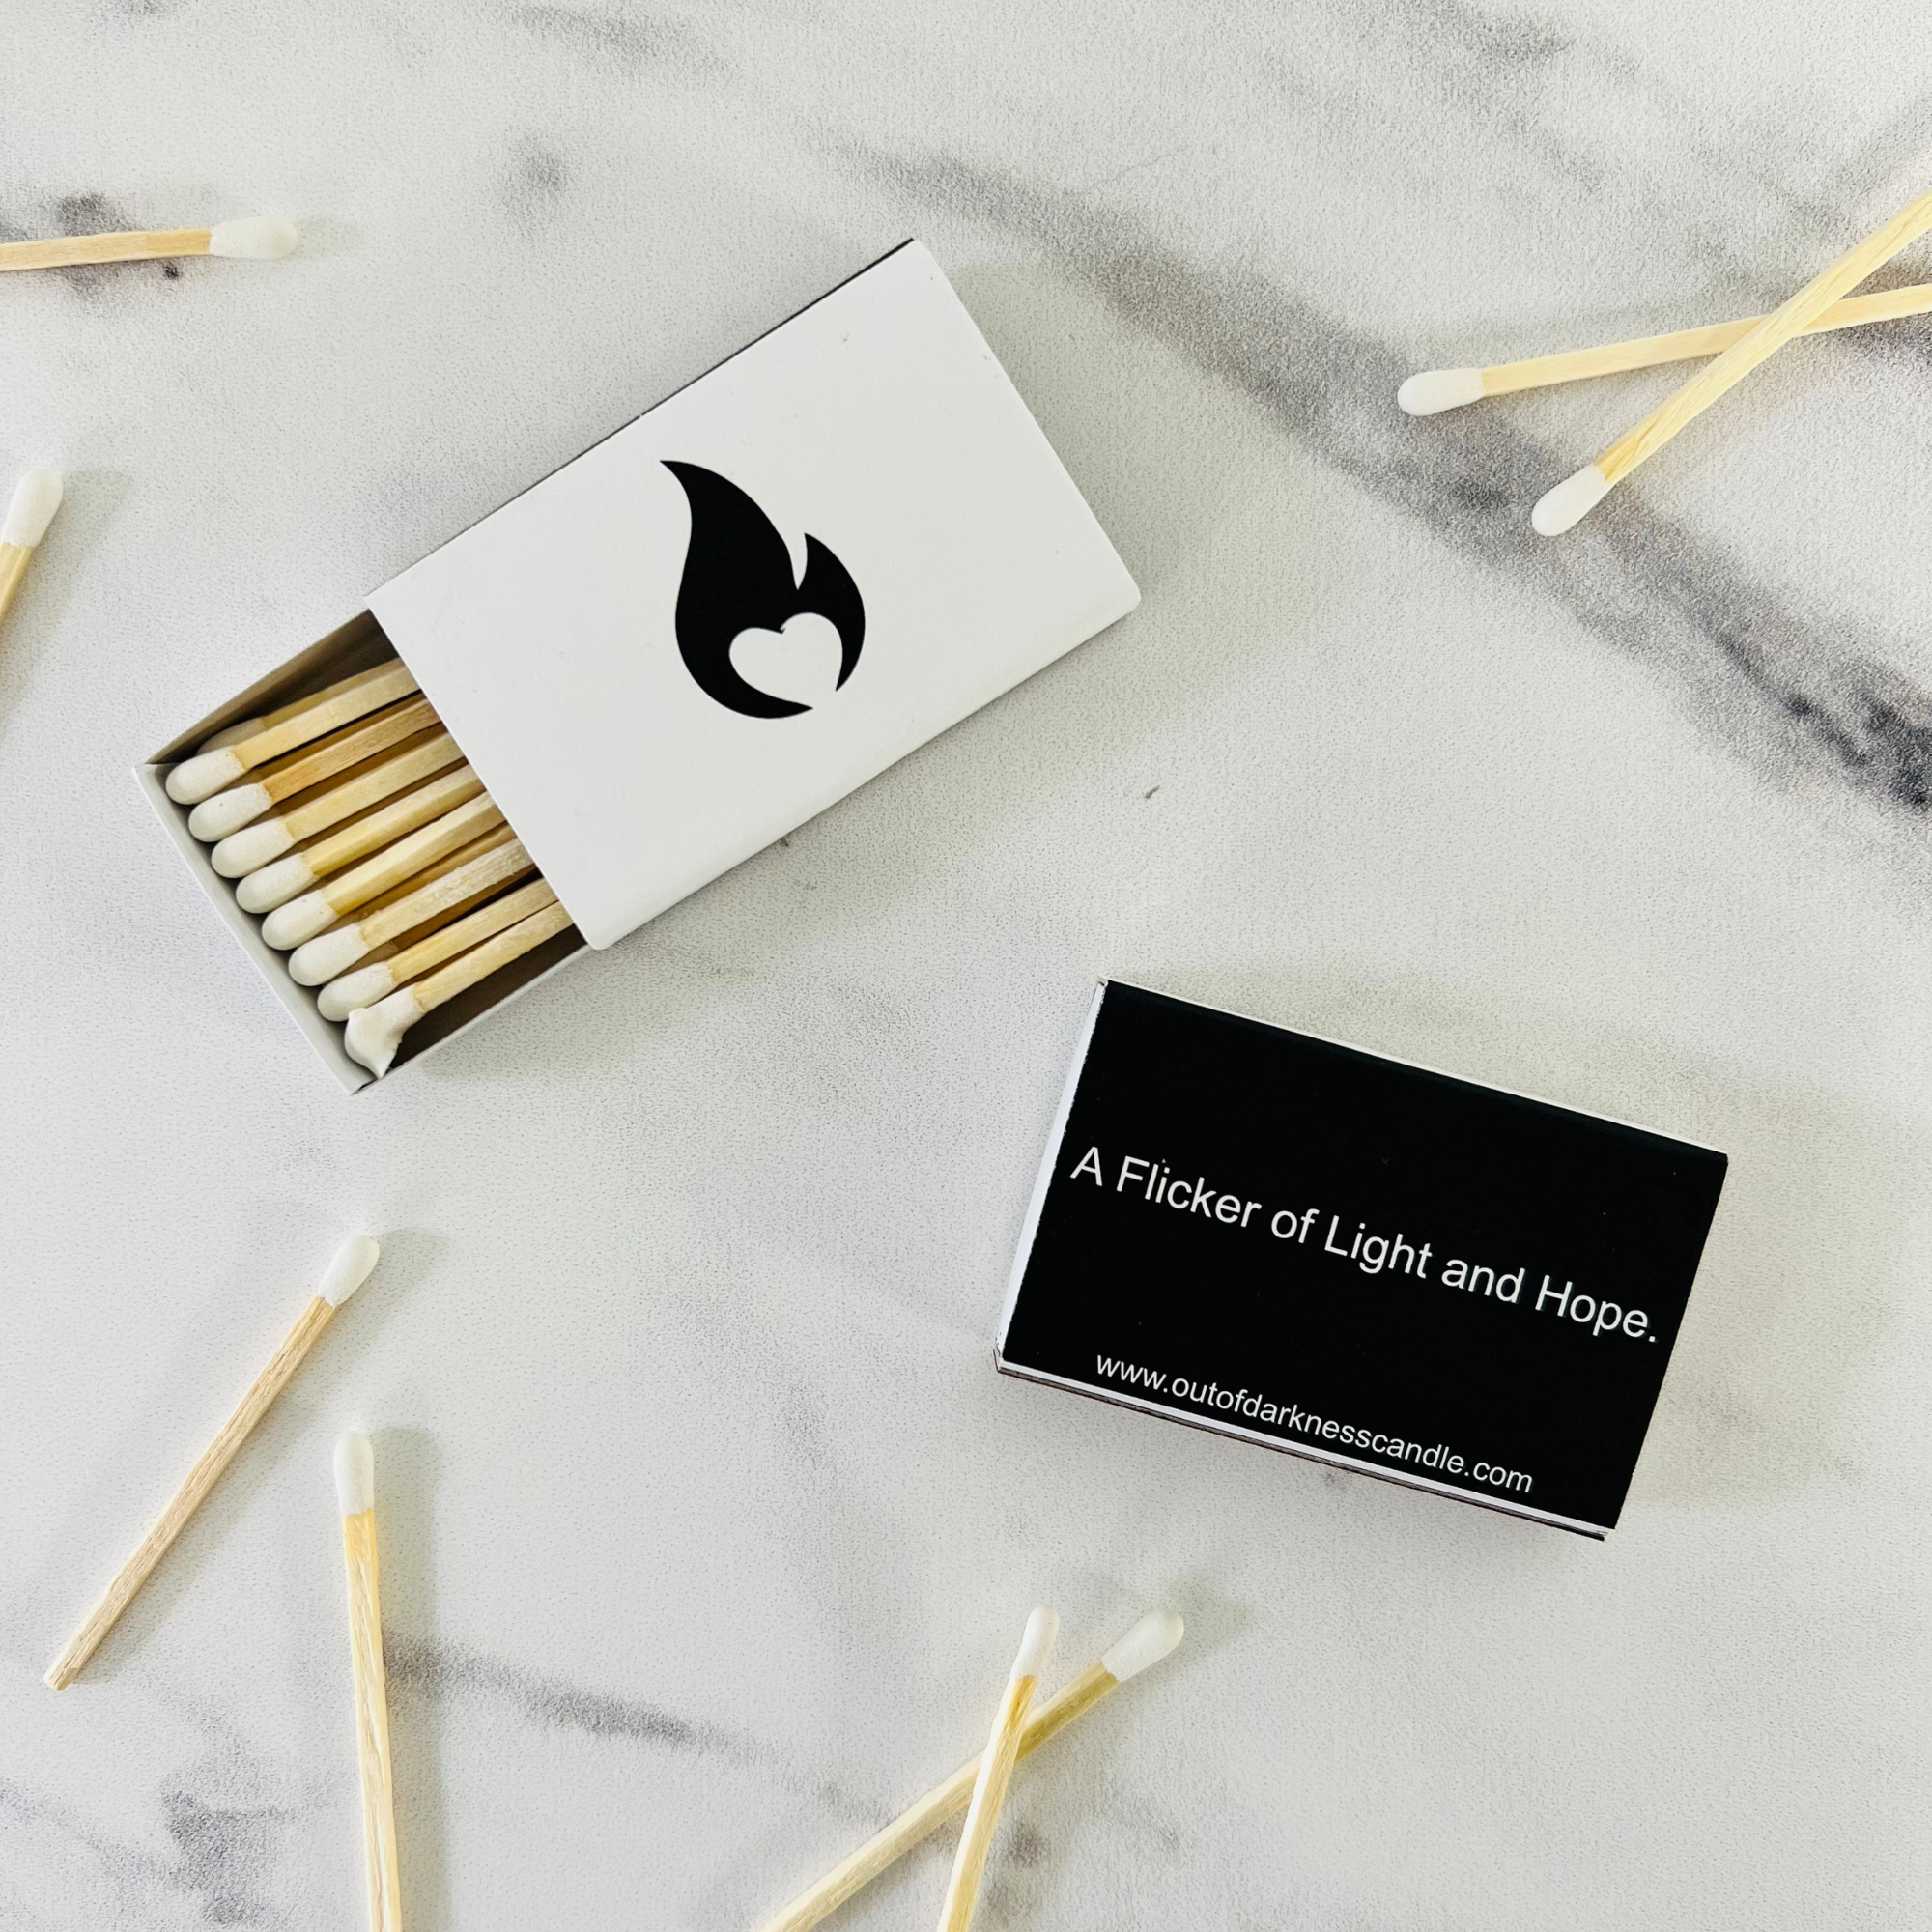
{"x":724,"y":617}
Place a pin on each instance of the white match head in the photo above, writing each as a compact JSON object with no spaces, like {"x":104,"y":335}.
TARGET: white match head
{"x":259,"y":238}
{"x":288,"y":925}
{"x":228,"y":812}
{"x":37,"y":495}
{"x":354,"y":1262}
{"x":354,"y":990}
{"x":1147,"y":1642}
{"x":323,"y":958}
{"x":1433,"y":390}
{"x":203,"y":776}
{"x":1572,"y":500}
{"x":1042,"y":1628}
{"x":355,"y":1474}
{"x":374,"y":1032}
{"x":249,"y":850}
{"x":274,"y":885}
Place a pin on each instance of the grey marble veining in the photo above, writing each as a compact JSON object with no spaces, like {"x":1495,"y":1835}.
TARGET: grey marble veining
{"x":707,"y":1525}
{"x":1789,"y":685}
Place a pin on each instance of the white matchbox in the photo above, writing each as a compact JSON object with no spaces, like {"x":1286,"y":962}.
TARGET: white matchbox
{"x":724,"y":616}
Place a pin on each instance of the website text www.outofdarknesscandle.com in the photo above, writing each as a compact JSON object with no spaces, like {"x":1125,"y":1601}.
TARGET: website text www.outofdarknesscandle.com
{"x":1434,"y":1458}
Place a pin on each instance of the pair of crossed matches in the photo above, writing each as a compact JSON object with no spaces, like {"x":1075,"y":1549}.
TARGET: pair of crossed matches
{"x":1819,"y":306}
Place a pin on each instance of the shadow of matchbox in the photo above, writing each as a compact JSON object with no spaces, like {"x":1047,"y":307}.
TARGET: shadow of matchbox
{"x":835,"y":543}
{"x":1356,"y":1260}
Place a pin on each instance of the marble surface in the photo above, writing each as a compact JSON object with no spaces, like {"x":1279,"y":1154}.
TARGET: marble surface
{"x":709,"y":1526}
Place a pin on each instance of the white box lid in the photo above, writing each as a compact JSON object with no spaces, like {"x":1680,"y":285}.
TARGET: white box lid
{"x":881,"y":529}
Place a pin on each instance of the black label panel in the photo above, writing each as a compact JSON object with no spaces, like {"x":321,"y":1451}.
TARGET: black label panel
{"x":1260,"y":1231}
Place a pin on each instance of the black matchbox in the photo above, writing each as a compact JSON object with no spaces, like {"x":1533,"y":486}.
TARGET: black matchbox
{"x":1356,"y":1260}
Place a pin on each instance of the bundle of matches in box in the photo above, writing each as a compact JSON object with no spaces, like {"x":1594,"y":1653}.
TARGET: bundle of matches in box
{"x":356,"y":830}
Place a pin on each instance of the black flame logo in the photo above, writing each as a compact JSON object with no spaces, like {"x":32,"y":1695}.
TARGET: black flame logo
{"x":738,"y":578}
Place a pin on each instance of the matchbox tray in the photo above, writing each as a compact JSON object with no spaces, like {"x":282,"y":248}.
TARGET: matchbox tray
{"x":727,"y":616}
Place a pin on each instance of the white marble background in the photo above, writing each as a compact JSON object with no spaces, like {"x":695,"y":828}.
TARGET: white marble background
{"x":709,"y":1527}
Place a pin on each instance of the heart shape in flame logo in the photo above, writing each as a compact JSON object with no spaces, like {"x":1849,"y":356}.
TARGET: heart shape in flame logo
{"x":738,"y":578}
{"x":801,"y":662}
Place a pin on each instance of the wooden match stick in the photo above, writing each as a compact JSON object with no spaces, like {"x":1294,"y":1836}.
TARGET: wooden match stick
{"x":300,"y":771}
{"x":233,"y":734}
{"x":1430,"y":391}
{"x":1147,"y":1642}
{"x":261,"y":238}
{"x":36,"y":497}
{"x":345,"y":1274}
{"x":369,"y":984}
{"x":1561,"y":508}
{"x":355,"y":1493}
{"x":246,"y":727}
{"x":374,"y":1032}
{"x":490,"y":861}
{"x":300,"y":918}
{"x":337,"y":704}
{"x":276,"y":883}
{"x":436,"y":921}
{"x":487,"y":842}
{"x":996,"y":1769}
{"x":363,"y":787}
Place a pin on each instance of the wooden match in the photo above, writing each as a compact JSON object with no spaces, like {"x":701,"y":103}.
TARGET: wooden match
{"x":36,"y":497}
{"x":259,"y":238}
{"x":337,"y":704}
{"x":233,"y":734}
{"x":303,"y":917}
{"x":1149,"y":1640}
{"x":375,"y":982}
{"x":996,"y":1770}
{"x":246,"y":727}
{"x":1561,"y":508}
{"x":374,"y":1032}
{"x":368,"y":832}
{"x":346,"y":1273}
{"x":1430,"y":391}
{"x":328,"y":756}
{"x":324,"y":806}
{"x":484,"y":866}
{"x":355,"y":1493}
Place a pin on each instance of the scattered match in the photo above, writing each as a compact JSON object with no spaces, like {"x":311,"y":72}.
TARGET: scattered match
{"x":1156,"y":1636}
{"x":995,"y":1771}
{"x":1565,"y":505}
{"x":354,"y":1262}
{"x":1430,"y":391}
{"x":355,"y":1498}
{"x":348,"y":822}
{"x":257,"y":237}
{"x":36,"y":497}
